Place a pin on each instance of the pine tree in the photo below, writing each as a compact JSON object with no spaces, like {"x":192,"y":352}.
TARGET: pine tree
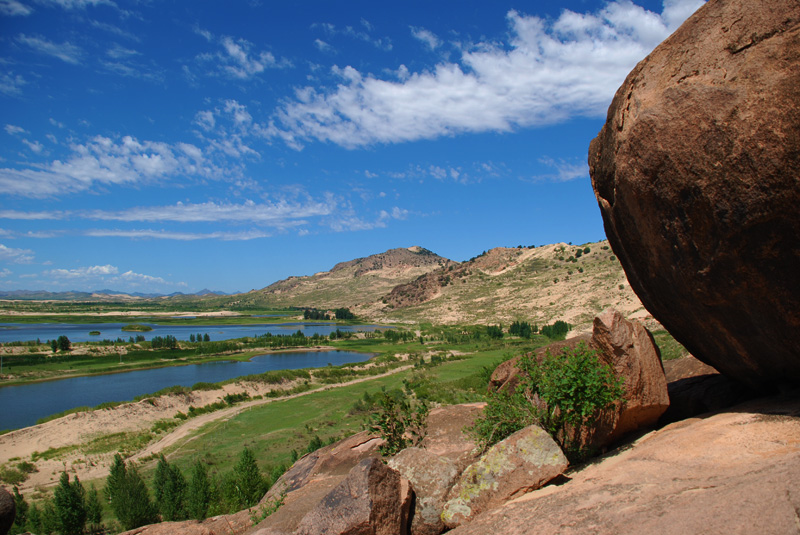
{"x":250,"y":484}
{"x":22,"y":510}
{"x":49,"y":519}
{"x":170,"y":490}
{"x":133,"y":506}
{"x":198,"y":495}
{"x":94,"y":511}
{"x":116,"y":476}
{"x":35,"y":519}
{"x":69,"y":500}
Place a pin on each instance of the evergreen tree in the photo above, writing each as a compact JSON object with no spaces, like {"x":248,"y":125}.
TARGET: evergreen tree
{"x":250,"y":484}
{"x":49,"y":520}
{"x":69,"y":500}
{"x":198,"y":495}
{"x":22,"y":510}
{"x":116,"y":476}
{"x":206,"y":338}
{"x":133,"y":506}
{"x":63,"y":343}
{"x":94,"y":511}
{"x":54,"y":345}
{"x":35,"y":519}
{"x":170,"y":490}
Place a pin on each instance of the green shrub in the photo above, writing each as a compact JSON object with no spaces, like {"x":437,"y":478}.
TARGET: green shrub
{"x":572,"y":387}
{"x":400,"y":422}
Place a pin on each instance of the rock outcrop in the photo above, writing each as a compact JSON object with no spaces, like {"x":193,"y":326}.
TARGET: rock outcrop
{"x":629,"y":348}
{"x":8,"y":510}
{"x":432,"y":477}
{"x":732,"y":472}
{"x":523,"y":462}
{"x":697,"y":174}
{"x":372,"y":500}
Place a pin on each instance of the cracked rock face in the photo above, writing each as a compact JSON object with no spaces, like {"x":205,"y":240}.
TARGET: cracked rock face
{"x":697,"y":174}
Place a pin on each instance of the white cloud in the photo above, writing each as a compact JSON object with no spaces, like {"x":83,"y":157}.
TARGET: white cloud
{"x":5,"y":272}
{"x":548,"y":72}
{"x":13,"y":8}
{"x":120,"y":52}
{"x":31,"y":216}
{"x":426,"y":36}
{"x":14,"y":130}
{"x":278,"y":214}
{"x":11,"y":84}
{"x":35,"y":146}
{"x":178,"y":236}
{"x":383,"y":43}
{"x":138,"y":278}
{"x":16,"y":256}
{"x":564,"y":170}
{"x":76,"y":4}
{"x":65,"y":51}
{"x":237,"y":57}
{"x":104,"y":161}
{"x":322,"y":46}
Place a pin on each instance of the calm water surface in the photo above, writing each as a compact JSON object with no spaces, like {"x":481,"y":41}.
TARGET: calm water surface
{"x":21,"y":332}
{"x":24,"y":404}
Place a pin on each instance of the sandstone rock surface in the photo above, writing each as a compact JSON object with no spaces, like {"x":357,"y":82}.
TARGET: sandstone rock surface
{"x":372,"y":500}
{"x":524,"y":461}
{"x":697,"y":174}
{"x":446,"y":437}
{"x":431,"y":476}
{"x":732,"y":472}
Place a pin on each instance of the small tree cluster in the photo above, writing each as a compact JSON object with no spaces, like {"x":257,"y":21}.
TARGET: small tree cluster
{"x":314,"y":314}
{"x":556,"y":331}
{"x":164,"y":342}
{"x":344,"y":314}
{"x":523,"y":329}
{"x":494,"y":331}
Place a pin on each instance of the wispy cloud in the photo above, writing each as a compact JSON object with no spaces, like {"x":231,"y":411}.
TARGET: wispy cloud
{"x":13,"y":8}
{"x":15,"y":256}
{"x":564,"y":171}
{"x":65,"y":51}
{"x":104,"y":161}
{"x":106,"y":275}
{"x":178,"y":236}
{"x":77,"y":4}
{"x":278,"y":214}
{"x":11,"y":84}
{"x":238,"y":58}
{"x":548,"y":72}
{"x":426,"y":36}
{"x":365,"y":34}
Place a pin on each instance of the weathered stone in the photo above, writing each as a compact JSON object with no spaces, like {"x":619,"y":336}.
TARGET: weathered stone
{"x":523,"y":462}
{"x":431,"y":476}
{"x":372,"y":500}
{"x":8,"y":510}
{"x":445,"y":434}
{"x":732,"y":472}
{"x":697,"y":174}
{"x":630,"y":349}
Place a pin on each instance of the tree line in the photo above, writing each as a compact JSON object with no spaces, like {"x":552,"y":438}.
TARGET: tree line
{"x":74,"y":511}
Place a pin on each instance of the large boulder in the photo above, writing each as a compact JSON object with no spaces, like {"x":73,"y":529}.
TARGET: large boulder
{"x":431,"y":476}
{"x":524,"y":461}
{"x":733,"y":472}
{"x":445,"y":434}
{"x":372,"y":500}
{"x":697,"y":174}
{"x":8,"y":510}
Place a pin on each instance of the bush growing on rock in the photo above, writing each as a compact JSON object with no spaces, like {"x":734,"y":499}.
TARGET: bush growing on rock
{"x":400,"y":422}
{"x":563,"y":393}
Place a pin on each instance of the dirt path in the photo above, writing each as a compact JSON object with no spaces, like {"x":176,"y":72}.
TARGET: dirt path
{"x":196,"y":423}
{"x":75,"y":430}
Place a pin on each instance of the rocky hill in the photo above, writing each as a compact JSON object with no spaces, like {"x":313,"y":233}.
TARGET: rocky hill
{"x":542,"y":284}
{"x":348,"y":284}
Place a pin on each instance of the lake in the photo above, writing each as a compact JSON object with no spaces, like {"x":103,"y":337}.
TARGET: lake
{"x":24,"y":404}
{"x":79,"y":332}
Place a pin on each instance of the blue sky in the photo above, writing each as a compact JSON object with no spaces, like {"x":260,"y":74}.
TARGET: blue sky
{"x":165,"y":145}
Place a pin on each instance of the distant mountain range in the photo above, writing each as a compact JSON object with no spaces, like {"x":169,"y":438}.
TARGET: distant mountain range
{"x":542,"y":284}
{"x":98,"y":295}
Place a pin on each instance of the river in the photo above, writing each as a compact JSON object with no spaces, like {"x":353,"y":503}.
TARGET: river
{"x":22,"y":405}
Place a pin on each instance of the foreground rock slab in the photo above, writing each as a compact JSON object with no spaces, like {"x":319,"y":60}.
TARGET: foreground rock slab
{"x":697,"y":174}
{"x":372,"y":500}
{"x":734,"y":472}
{"x":522,"y":462}
{"x":431,"y":476}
